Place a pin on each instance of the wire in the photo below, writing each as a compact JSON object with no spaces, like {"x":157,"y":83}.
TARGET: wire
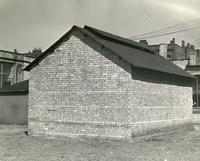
{"x":198,"y":45}
{"x":159,"y":30}
{"x":164,"y":29}
{"x":196,"y":42}
{"x":168,"y":33}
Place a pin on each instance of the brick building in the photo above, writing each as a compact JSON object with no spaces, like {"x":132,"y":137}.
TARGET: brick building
{"x":93,"y":83}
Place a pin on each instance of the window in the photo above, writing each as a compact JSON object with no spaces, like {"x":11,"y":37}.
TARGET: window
{"x":5,"y":74}
{"x":19,"y":74}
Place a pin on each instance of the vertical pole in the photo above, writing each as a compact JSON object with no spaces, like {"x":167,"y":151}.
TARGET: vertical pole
{"x":198,"y":92}
{"x":1,"y":75}
{"x":174,"y":49}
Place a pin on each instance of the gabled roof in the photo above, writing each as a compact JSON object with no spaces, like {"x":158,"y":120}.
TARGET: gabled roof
{"x":137,"y":54}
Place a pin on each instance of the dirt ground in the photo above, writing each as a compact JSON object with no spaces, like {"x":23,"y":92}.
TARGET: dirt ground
{"x":181,"y":145}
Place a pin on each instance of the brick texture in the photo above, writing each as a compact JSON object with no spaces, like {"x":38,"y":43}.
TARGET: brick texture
{"x":84,"y":89}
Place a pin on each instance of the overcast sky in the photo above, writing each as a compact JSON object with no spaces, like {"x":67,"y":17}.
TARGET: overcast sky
{"x":25,"y":24}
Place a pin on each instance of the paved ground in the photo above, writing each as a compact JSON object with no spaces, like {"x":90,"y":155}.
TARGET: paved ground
{"x":182,"y":145}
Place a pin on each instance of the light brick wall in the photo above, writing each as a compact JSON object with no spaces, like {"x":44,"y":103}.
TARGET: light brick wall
{"x":84,"y":89}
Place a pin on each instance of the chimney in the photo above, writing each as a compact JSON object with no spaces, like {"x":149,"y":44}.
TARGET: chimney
{"x":187,"y":51}
{"x":143,"y":42}
{"x":183,"y":44}
{"x":192,"y":47}
{"x":172,"y":41}
{"x":198,"y":52}
{"x":198,"y":56}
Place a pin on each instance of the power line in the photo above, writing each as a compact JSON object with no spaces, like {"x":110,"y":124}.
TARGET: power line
{"x":197,"y":46}
{"x":164,"y":29}
{"x":196,"y":42}
{"x":168,"y":33}
{"x":159,"y":30}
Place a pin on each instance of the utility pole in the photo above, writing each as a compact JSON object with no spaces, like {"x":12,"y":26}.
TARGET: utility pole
{"x":1,"y":85}
{"x":197,"y":93}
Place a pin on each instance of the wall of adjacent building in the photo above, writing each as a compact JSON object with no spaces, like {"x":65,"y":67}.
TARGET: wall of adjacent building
{"x":175,"y":51}
{"x":14,"y":108}
{"x":84,"y":89}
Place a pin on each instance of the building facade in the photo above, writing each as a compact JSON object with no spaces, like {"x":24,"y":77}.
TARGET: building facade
{"x":92,"y":83}
{"x":173,"y":51}
{"x":12,"y":65}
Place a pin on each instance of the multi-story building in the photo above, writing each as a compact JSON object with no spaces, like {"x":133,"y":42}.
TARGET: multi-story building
{"x":173,"y":51}
{"x":12,"y":65}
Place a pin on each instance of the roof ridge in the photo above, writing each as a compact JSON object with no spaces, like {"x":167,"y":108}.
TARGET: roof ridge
{"x":118,"y":39}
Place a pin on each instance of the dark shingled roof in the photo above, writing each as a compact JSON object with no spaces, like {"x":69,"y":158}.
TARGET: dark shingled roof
{"x":139,"y":55}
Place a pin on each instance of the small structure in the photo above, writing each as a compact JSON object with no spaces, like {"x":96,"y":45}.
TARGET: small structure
{"x":14,"y":104}
{"x":94,"y":83}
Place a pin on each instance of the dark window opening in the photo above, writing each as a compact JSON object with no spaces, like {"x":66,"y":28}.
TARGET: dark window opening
{"x":5,"y":74}
{"x":169,"y":57}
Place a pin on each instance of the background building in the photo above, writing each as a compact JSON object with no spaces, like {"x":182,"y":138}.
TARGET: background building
{"x":173,"y":51}
{"x":12,"y":65}
{"x":184,"y":56}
